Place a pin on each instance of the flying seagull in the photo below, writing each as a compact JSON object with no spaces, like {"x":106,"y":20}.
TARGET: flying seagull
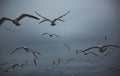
{"x":24,"y":47}
{"x":27,"y":50}
{"x":68,"y":47}
{"x":101,"y":48}
{"x":51,"y":35}
{"x":16,"y":20}
{"x":52,"y":21}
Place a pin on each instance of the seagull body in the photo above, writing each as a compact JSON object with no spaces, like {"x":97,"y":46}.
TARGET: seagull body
{"x":51,"y":21}
{"x":16,"y":20}
{"x":51,"y":35}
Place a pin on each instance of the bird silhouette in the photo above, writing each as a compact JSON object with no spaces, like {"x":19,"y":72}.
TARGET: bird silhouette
{"x":53,"y":22}
{"x":23,"y":47}
{"x":16,"y":20}
{"x":68,"y":47}
{"x":101,"y":48}
{"x":27,"y":50}
{"x":51,"y":35}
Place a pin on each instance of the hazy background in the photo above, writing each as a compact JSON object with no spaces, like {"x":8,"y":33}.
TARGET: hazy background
{"x":88,"y":22}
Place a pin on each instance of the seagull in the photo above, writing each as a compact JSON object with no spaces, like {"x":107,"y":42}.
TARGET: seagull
{"x":52,"y":21}
{"x":16,"y":20}
{"x":51,"y":35}
{"x":27,"y":50}
{"x":23,"y":47}
{"x":101,"y":48}
{"x":68,"y":47}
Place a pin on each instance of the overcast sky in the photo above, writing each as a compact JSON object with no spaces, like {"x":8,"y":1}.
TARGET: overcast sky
{"x":87,"y":24}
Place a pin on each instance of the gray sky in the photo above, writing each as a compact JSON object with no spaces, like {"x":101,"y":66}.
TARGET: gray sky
{"x":88,"y":22}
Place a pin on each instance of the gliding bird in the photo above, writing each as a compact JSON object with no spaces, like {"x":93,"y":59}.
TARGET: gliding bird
{"x":51,"y":21}
{"x":16,"y":20}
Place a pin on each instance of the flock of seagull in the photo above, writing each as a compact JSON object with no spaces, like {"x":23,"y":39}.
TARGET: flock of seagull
{"x":57,"y":61}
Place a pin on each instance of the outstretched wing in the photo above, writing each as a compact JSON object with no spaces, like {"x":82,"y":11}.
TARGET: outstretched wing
{"x":3,"y":19}
{"x":96,"y":47}
{"x":26,"y":15}
{"x":61,"y":17}
{"x":92,"y":53}
{"x":34,"y":53}
{"x":68,"y":47}
{"x":35,"y":62}
{"x":46,"y":19}
{"x":16,"y":50}
{"x":55,"y":35}
{"x":45,"y":33}
{"x":111,"y":46}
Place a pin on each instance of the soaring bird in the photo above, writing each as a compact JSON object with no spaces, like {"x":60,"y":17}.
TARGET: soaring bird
{"x":23,"y":47}
{"x":16,"y":20}
{"x":68,"y":47}
{"x":51,"y":35}
{"x":27,"y":50}
{"x":52,"y":21}
{"x":101,"y":48}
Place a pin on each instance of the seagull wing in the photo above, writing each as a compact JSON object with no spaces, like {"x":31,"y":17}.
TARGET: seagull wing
{"x":3,"y":19}
{"x":55,"y":35}
{"x":61,"y":17}
{"x":45,"y":33}
{"x":91,"y":48}
{"x":46,"y":19}
{"x":68,"y":47}
{"x":92,"y":53}
{"x":111,"y":46}
{"x":26,"y":15}
{"x":35,"y":62}
{"x":38,"y":53}
{"x":34,"y":53}
{"x":16,"y":50}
